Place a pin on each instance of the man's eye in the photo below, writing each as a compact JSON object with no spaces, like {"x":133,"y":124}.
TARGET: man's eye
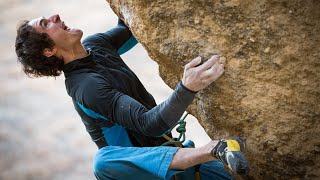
{"x":44,"y":23}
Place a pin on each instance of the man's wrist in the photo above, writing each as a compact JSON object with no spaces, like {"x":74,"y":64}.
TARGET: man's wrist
{"x":187,"y":89}
{"x":172,"y":109}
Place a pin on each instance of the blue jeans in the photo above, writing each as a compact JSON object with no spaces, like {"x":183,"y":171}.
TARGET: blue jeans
{"x":115,"y":162}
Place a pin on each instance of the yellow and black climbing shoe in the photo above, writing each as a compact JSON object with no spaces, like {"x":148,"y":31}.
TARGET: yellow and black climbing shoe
{"x":230,"y":153}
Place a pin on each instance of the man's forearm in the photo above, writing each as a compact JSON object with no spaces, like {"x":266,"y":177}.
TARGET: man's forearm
{"x":173,"y":108}
{"x":158,"y":120}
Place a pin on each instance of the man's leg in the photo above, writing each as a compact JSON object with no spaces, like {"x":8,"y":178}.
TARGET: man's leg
{"x":188,"y":157}
{"x":113,"y":162}
{"x":210,"y":168}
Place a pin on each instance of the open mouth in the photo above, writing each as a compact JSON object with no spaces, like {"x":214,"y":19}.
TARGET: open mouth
{"x":64,"y":27}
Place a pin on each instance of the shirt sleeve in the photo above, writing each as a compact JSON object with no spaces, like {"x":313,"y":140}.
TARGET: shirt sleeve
{"x":123,"y":110}
{"x":118,"y":38}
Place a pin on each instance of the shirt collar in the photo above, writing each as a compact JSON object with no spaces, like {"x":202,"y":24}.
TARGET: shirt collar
{"x":79,"y":63}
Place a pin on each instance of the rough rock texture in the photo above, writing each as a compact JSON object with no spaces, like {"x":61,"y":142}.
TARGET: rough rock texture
{"x":270,"y":92}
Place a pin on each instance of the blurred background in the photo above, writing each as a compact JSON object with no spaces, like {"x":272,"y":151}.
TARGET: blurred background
{"x":41,"y":136}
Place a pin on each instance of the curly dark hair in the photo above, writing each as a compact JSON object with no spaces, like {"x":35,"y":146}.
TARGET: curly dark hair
{"x":29,"y":49}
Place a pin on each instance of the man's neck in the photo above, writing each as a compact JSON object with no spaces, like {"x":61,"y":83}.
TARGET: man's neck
{"x":75,"y":53}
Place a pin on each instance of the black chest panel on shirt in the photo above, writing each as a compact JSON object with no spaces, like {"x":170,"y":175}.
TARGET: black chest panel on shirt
{"x":121,"y":77}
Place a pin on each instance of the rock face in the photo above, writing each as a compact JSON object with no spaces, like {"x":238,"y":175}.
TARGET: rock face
{"x":270,"y":92}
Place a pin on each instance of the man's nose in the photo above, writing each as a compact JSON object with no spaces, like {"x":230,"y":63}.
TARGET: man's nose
{"x":54,"y":18}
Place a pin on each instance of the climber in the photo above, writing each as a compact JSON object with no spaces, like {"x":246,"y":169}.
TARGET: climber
{"x":121,"y":117}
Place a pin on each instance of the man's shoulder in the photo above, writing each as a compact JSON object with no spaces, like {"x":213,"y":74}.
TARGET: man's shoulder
{"x":97,"y":39}
{"x":88,"y":85}
{"x":93,"y":79}
{"x":89,"y":39}
{"x":85,"y":80}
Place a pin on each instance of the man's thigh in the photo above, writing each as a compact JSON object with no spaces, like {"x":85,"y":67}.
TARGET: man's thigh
{"x":113,"y":162}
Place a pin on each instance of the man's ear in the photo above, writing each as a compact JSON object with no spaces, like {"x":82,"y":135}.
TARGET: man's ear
{"x":49,"y":52}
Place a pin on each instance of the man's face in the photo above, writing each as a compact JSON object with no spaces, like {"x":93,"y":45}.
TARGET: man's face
{"x":62,"y":35}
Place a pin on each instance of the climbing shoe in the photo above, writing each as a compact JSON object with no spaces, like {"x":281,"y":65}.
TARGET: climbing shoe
{"x":230,"y":153}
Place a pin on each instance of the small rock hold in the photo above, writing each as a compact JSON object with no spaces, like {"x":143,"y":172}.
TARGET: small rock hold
{"x":223,"y":59}
{"x":267,"y":50}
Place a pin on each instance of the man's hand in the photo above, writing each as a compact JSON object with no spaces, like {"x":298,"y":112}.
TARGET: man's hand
{"x":196,"y":77}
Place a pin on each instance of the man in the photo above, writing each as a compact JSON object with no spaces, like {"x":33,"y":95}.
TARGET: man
{"x":121,"y":117}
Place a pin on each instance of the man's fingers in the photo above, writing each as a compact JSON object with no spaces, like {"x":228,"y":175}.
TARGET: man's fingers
{"x":213,"y":71}
{"x":213,"y":78}
{"x":208,"y":64}
{"x":220,"y":67}
{"x":193,"y":63}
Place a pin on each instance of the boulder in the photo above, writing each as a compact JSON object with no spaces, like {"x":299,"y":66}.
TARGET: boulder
{"x":270,"y":91}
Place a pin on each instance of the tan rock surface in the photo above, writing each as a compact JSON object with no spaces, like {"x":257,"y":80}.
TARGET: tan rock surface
{"x":270,"y":91}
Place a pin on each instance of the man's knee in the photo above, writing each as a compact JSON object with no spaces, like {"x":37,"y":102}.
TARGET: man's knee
{"x":101,"y":168}
{"x":98,"y":167}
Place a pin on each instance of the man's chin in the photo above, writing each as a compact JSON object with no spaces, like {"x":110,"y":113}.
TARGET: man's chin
{"x":75,"y":31}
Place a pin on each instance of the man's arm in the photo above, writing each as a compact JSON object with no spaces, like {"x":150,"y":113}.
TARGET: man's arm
{"x":122,"y":38}
{"x":163,"y":117}
{"x":118,"y":38}
{"x":104,"y":102}
{"x":111,"y":105}
{"x":158,"y":120}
